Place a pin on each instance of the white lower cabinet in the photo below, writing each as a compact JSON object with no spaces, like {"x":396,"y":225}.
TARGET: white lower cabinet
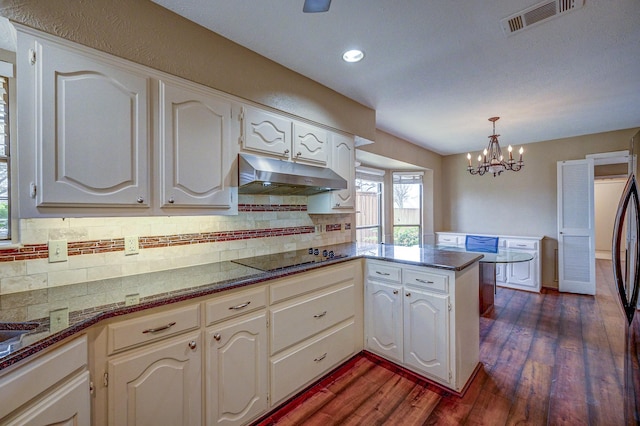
{"x":425,"y":319}
{"x":53,"y":389}
{"x":160,"y":384}
{"x":236,"y":370}
{"x":384,"y":329}
{"x":426,"y":333}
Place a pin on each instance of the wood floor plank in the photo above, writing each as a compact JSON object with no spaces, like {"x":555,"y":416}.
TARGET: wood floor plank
{"x":381,"y":404}
{"x":532,"y":396}
{"x":351,"y":397}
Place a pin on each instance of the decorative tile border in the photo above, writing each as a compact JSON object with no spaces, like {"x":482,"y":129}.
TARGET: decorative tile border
{"x":334,"y":227}
{"x":272,"y":207}
{"x":41,"y":251}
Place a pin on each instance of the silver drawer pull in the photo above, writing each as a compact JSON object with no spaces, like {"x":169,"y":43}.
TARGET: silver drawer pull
{"x":386,"y":274}
{"x":395,"y":291}
{"x":424,"y":281}
{"x":320,"y":315}
{"x":521,"y":245}
{"x":193,"y":345}
{"x":155,"y":330}
{"x":240,"y":306}
{"x":320,"y":358}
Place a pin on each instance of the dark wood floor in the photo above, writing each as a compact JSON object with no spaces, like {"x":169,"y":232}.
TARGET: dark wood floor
{"x":549,"y":358}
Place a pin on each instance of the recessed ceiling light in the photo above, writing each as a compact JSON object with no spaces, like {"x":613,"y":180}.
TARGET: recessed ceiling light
{"x":353,"y":55}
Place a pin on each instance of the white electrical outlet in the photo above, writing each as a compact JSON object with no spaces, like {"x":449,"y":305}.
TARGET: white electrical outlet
{"x":58,"y":251}
{"x":58,"y":320}
{"x":131,"y":299}
{"x":131,"y":245}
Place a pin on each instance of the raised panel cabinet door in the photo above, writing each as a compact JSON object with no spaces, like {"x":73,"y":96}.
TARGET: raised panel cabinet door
{"x":266,"y":133}
{"x":343,"y":163}
{"x":383,"y":318}
{"x":194,"y":147}
{"x":68,"y":405}
{"x":92,"y":148}
{"x":426,"y":327}
{"x":160,"y":384}
{"x":310,"y":144}
{"x":237,"y":370}
{"x":523,"y":273}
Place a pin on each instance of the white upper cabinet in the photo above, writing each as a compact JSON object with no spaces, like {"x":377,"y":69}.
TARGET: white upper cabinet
{"x":266,"y":132}
{"x":342,"y":161}
{"x":83,"y":122}
{"x":84,"y":119}
{"x":310,"y":144}
{"x":195,"y":164}
{"x":269,"y":133}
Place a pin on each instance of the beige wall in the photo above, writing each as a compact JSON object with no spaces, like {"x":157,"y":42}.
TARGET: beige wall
{"x":607,"y":193}
{"x":522,"y":203}
{"x":146,"y":33}
{"x":389,"y":146}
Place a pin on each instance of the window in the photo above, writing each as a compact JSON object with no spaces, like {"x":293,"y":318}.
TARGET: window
{"x":5,"y":170}
{"x":407,"y":208}
{"x":369,"y":205}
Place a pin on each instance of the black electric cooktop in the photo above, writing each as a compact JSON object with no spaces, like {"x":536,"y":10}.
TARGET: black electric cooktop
{"x":277,"y":261}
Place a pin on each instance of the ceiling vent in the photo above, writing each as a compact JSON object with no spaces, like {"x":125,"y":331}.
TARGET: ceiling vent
{"x":538,"y":13}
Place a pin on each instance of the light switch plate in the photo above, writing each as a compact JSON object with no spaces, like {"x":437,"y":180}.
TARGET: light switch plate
{"x":58,"y":251}
{"x":131,"y":245}
{"x":58,"y":320}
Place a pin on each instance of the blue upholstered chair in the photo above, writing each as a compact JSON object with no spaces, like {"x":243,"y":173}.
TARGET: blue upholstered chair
{"x":481,"y":244}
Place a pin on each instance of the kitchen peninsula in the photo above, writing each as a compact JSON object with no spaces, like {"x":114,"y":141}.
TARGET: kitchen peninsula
{"x":198,"y":309}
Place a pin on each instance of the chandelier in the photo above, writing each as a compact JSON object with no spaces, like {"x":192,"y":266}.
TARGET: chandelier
{"x":491,"y":160}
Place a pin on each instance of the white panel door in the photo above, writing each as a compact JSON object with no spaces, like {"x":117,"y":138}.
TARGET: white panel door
{"x":266,"y":133}
{"x":310,"y":144}
{"x":159,"y":384}
{"x":426,"y":333}
{"x":343,"y":162}
{"x":93,"y":140}
{"x":576,"y":236}
{"x":237,"y":370}
{"x":195,"y":163}
{"x":384,"y":320}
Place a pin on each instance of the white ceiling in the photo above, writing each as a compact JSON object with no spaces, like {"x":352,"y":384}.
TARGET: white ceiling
{"x":436,"y":70}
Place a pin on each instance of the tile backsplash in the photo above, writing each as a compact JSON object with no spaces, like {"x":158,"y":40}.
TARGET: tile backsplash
{"x":264,"y":225}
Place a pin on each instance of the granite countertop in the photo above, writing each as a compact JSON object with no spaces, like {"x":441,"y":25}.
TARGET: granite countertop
{"x":202,"y":280}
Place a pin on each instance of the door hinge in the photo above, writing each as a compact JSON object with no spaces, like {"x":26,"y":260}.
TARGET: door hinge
{"x":449,"y":307}
{"x":105,"y":380}
{"x":268,"y":398}
{"x":32,"y":190}
{"x":92,"y":388}
{"x":267,"y":322}
{"x":32,"y":56}
{"x":450,"y":375}
{"x":241,"y":115}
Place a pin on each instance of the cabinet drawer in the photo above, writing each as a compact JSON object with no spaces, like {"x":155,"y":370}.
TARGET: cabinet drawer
{"x":153,"y":327}
{"x":297,"y":369}
{"x":451,"y":240}
{"x":24,"y":384}
{"x":224,"y":307}
{"x":427,"y":280}
{"x":522,"y":244}
{"x":296,"y":321}
{"x":384,"y":271}
{"x":316,"y":280}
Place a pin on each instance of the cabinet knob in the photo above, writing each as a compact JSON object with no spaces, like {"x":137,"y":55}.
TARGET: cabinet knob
{"x":395,"y":291}
{"x":408,"y":294}
{"x":286,"y":152}
{"x":217,"y":337}
{"x":337,"y":204}
{"x":140,"y":200}
{"x":298,"y":154}
{"x":171,"y":200}
{"x":193,"y":344}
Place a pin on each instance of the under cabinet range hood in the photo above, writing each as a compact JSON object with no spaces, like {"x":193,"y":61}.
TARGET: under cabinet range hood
{"x":264,"y":175}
